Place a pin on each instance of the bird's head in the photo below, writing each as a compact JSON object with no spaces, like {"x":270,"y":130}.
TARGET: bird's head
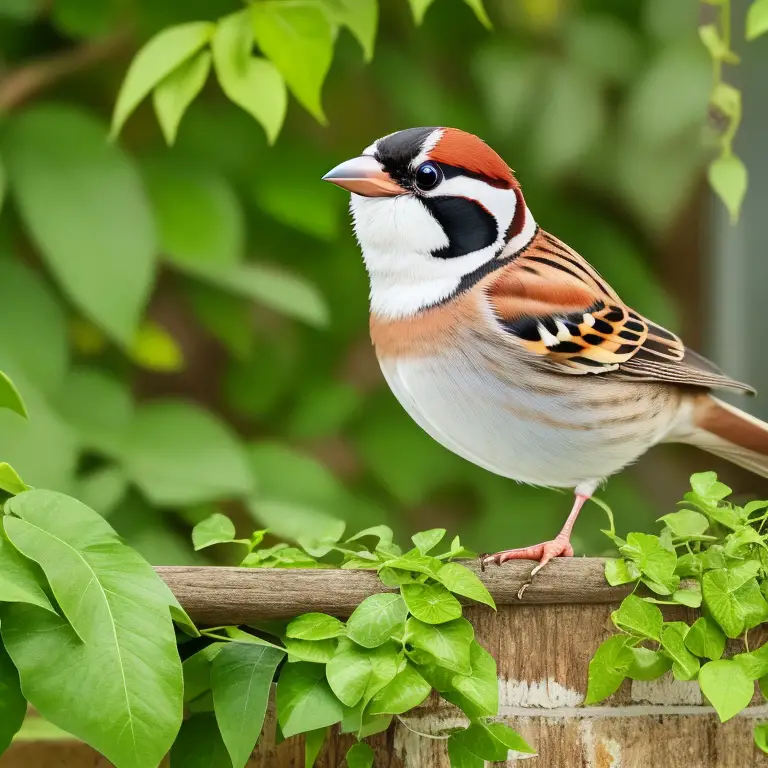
{"x":431,"y":207}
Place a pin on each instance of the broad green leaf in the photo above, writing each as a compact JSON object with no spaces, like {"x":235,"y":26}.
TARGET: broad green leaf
{"x":179,"y":454}
{"x":727,"y":687}
{"x":706,"y":639}
{"x":298,"y":39}
{"x":686,"y":523}
{"x":216,"y":529}
{"x":619,"y":572}
{"x":449,"y":643}
{"x":760,"y":734}
{"x":177,"y":90}
{"x":656,"y":563}
{"x":272,"y":287}
{"x":313,"y":743}
{"x":13,"y":705}
{"x":383,"y":534}
{"x":415,"y":562}
{"x":317,"y":651}
{"x":405,"y":691}
{"x":356,"y":674}
{"x":706,"y":485}
{"x":611,"y":663}
{"x":684,"y":664}
{"x":86,"y":211}
{"x":481,"y":688}
{"x":690,"y":597}
{"x":460,"y":580}
{"x":305,"y":702}
{"x":155,"y":349}
{"x":427,"y":540}
{"x":638,"y":617}
{"x":99,"y":407}
{"x":20,"y":578}
{"x":648,"y":664}
{"x":419,"y":8}
{"x":315,"y":626}
{"x":755,"y":663}
{"x":491,"y":741}
{"x":728,"y":178}
{"x":199,"y":744}
{"x":689,"y":565}
{"x":361,"y":17}
{"x":241,"y":679}
{"x":199,"y":218}
{"x":38,"y":344}
{"x":197,"y":671}
{"x":479,"y":10}
{"x":10,"y":397}
{"x":251,"y":82}
{"x":376,"y":618}
{"x":10,"y":482}
{"x":155,"y":61}
{"x":757,"y":24}
{"x":458,"y":754}
{"x":360,"y":756}
{"x":431,"y":603}
{"x":733,"y":603}
{"x":126,"y":699}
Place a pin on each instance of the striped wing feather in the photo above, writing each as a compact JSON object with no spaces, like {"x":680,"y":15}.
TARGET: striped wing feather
{"x":560,"y":308}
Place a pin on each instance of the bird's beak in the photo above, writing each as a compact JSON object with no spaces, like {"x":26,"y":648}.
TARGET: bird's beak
{"x":364,"y":176}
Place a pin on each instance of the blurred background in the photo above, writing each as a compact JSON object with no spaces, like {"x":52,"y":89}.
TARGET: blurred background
{"x":250,"y":385}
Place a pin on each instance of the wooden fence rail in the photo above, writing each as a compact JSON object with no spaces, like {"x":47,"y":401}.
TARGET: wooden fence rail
{"x":542,"y":644}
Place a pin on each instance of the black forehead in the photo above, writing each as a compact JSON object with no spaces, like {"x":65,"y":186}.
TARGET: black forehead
{"x":397,"y":151}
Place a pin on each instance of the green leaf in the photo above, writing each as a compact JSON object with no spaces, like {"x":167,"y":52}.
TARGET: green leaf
{"x":449,"y":643}
{"x":656,"y":563}
{"x":620,"y":572}
{"x":177,"y":90}
{"x":757,"y":24}
{"x":728,"y":178}
{"x":706,"y":639}
{"x":415,"y":562}
{"x":13,"y":705}
{"x":313,"y":743}
{"x":727,"y":687}
{"x":298,"y":39}
{"x":315,"y":626}
{"x":427,"y":540}
{"x":490,"y":741}
{"x":305,"y":702}
{"x":684,"y":664}
{"x":460,"y":580}
{"x":360,"y":756}
{"x":479,"y":10}
{"x":156,"y":60}
{"x":431,"y":603}
{"x":10,"y":397}
{"x":419,"y":9}
{"x":690,"y":597}
{"x":361,"y":17}
{"x":480,"y":690}
{"x":241,"y":679}
{"x":10,"y":482}
{"x":199,"y":745}
{"x":689,"y":565}
{"x":638,"y":617}
{"x":20,"y":578}
{"x":648,"y":664}
{"x":686,"y":523}
{"x":251,"y":82}
{"x":458,"y":754}
{"x":197,"y":671}
{"x":85,"y":208}
{"x":382,"y":533}
{"x":155,"y":349}
{"x":294,"y":521}
{"x":375,"y":619}
{"x":178,"y":454}
{"x":356,"y":674}
{"x":126,"y":699}
{"x":216,"y":529}
{"x":317,"y":651}
{"x":733,"y":602}
{"x":611,"y":663}
{"x":406,"y":691}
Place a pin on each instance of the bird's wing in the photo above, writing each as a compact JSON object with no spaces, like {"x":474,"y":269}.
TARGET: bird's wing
{"x":559,"y":307}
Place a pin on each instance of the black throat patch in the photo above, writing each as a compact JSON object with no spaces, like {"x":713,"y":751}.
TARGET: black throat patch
{"x":467,"y":224}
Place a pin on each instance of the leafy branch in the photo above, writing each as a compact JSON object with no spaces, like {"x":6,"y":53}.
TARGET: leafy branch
{"x":710,"y":554}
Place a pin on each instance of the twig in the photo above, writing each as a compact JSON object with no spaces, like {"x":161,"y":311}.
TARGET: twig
{"x":26,"y":81}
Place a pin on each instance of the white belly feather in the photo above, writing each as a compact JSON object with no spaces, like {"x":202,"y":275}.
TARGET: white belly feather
{"x":559,"y":440}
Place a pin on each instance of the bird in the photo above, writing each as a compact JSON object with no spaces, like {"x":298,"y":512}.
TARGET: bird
{"x":505,"y":345}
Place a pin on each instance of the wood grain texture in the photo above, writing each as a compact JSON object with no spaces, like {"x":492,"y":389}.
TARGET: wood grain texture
{"x":542,"y":649}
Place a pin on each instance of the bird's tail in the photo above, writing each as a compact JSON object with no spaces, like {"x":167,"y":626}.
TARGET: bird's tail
{"x":727,"y":432}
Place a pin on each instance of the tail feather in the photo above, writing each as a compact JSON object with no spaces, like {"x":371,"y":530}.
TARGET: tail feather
{"x":730,"y":433}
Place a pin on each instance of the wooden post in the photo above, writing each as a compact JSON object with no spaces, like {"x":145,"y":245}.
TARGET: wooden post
{"x":542,"y":645}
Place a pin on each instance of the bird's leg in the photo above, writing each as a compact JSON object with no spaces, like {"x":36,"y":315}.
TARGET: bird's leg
{"x":560,"y":546}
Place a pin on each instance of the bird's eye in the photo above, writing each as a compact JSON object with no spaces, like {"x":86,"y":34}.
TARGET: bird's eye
{"x":428,"y":176}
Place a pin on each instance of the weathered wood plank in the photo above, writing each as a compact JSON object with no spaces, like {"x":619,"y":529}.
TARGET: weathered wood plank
{"x":240,"y":595}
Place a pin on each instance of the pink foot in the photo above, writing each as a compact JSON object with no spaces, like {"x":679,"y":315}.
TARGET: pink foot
{"x":544,"y":552}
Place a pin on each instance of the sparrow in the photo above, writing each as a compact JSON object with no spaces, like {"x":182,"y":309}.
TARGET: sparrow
{"x":506,"y":345}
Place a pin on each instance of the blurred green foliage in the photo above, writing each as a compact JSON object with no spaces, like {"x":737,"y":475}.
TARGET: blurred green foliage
{"x":187,"y":325}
